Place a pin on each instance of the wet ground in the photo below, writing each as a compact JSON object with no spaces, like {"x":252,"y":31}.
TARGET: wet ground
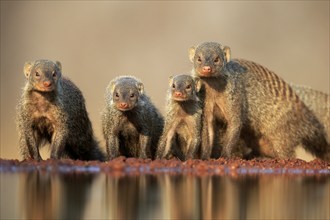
{"x":129,"y":166}
{"x":127,"y":188}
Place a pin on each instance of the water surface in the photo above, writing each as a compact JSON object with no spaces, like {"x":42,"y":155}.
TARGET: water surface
{"x":49,"y":195}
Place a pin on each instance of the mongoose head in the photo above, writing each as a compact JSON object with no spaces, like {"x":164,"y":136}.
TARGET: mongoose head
{"x":184,"y":87}
{"x":209,"y":58}
{"x":125,"y":92}
{"x":43,"y":75}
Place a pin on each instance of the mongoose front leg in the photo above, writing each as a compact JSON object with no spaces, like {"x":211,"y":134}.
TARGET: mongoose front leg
{"x":27,"y":138}
{"x":58,"y":144}
{"x":231,"y":138}
{"x":112,"y":145}
{"x":169,"y":141}
{"x":166,"y":140}
{"x":161,"y":147}
{"x":193,"y":144}
{"x":207,"y":137}
{"x":144,"y":145}
{"x":29,"y":146}
{"x":233,"y":130}
{"x":232,"y":111}
{"x":193,"y":137}
{"x":162,"y":150}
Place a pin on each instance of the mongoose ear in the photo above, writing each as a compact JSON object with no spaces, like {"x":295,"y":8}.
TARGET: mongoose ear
{"x":192,"y":51}
{"x":59,"y":65}
{"x":140,"y":87}
{"x":111,"y":86}
{"x":170,"y":82}
{"x":227,"y":53}
{"x":27,"y":69}
{"x":198,"y":84}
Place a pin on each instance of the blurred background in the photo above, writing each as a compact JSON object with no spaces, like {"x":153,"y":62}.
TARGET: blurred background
{"x":97,"y":41}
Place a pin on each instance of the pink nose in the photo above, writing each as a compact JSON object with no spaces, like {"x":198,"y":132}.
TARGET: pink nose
{"x":47,"y":83}
{"x":123,"y":105}
{"x":206,"y":69}
{"x":177,"y":94}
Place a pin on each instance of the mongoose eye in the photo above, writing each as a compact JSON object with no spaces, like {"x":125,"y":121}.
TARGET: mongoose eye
{"x":132,"y":95}
{"x":54,"y":74}
{"x":199,"y":59}
{"x":37,"y":73}
{"x":216,"y":60}
{"x":173,"y":86}
{"x":188,"y":87}
{"x":116,"y":94}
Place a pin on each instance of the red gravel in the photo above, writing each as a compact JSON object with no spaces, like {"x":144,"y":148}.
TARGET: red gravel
{"x":135,"y":166}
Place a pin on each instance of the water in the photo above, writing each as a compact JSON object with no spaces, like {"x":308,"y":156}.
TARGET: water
{"x":50,"y":195}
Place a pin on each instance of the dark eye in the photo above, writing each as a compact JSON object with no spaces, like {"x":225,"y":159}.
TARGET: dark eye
{"x":188,"y":87}
{"x":216,"y":60}
{"x":199,"y":59}
{"x":54,"y":74}
{"x":37,"y":73}
{"x":117,"y":95}
{"x":173,"y":86}
{"x":132,"y":95}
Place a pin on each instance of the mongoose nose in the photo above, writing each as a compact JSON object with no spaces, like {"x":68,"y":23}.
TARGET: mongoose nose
{"x":123,"y":105}
{"x":177,"y":94}
{"x":206,"y":69}
{"x":47,"y":83}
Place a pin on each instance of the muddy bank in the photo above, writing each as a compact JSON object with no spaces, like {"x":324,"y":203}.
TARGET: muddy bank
{"x":135,"y":166}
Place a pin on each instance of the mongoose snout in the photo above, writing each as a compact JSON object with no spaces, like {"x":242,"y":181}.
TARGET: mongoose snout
{"x":178,"y":94}
{"x":206,"y":70}
{"x":123,"y":106}
{"x":47,"y":84}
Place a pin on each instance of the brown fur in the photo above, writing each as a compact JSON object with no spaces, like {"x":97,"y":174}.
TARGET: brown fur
{"x":52,"y":110}
{"x":131,"y":124}
{"x":318,"y":102}
{"x":254,"y":104}
{"x":182,"y":131}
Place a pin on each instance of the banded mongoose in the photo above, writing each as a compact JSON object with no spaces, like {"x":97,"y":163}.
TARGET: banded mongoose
{"x":52,"y":110}
{"x":318,"y":102}
{"x":131,"y":124}
{"x":255,"y":104}
{"x":182,"y":131}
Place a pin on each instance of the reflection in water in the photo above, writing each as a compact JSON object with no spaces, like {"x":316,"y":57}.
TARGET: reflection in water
{"x":216,"y":197}
{"x":39,"y":196}
{"x":47,"y":195}
{"x":76,"y":190}
{"x":132,"y":197}
{"x":60,"y":196}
